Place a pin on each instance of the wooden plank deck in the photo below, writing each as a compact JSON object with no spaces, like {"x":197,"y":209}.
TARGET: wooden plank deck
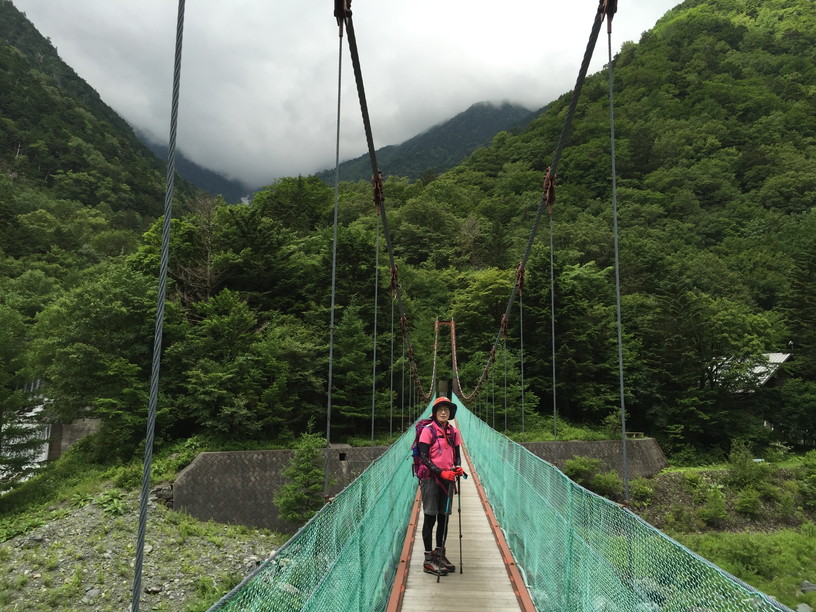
{"x":482,"y":581}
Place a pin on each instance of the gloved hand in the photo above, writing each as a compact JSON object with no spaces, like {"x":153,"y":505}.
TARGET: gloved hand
{"x":459,"y":470}
{"x":448,"y":475}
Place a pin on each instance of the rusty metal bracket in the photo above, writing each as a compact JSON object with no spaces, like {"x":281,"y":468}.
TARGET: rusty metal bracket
{"x":549,"y":189}
{"x":377,"y":181}
{"x":342,"y":9}
{"x":608,"y":8}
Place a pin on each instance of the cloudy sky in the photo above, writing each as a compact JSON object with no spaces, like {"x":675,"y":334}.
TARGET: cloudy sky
{"x":259,"y":77}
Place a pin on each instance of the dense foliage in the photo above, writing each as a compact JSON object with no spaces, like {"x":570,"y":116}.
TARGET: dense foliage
{"x":716,"y":143}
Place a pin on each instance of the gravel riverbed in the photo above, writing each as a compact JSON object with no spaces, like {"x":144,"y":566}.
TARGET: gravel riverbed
{"x":83,"y":558}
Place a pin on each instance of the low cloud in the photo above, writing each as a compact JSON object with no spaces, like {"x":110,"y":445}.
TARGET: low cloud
{"x":259,"y":79}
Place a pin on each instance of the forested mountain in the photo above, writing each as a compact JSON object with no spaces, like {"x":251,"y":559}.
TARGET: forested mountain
{"x":213,"y":183}
{"x":76,"y":188}
{"x":716,"y":163}
{"x":439,"y":148}
{"x":58,"y":134}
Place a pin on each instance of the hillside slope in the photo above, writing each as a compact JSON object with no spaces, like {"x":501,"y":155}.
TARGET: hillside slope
{"x":58,"y":134}
{"x":440,"y":147}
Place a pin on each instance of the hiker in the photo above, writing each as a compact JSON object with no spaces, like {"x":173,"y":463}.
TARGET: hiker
{"x":439,"y":443}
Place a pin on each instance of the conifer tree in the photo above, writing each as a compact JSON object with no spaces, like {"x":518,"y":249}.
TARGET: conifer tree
{"x":299,"y":499}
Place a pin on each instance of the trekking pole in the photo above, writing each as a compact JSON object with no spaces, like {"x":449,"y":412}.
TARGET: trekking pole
{"x":459,"y":511}
{"x":445,"y":533}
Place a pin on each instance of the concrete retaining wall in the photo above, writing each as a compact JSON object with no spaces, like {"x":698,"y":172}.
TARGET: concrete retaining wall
{"x":239,"y":487}
{"x":644,"y":455}
{"x":65,"y":435}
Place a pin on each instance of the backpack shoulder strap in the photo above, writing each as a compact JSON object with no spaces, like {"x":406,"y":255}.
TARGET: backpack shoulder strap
{"x":435,"y":436}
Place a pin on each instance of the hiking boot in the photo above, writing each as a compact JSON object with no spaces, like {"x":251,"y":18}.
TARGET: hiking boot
{"x":443,"y":561}
{"x":432,"y":566}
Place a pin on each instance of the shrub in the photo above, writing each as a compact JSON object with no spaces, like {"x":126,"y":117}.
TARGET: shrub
{"x":683,"y":519}
{"x":714,"y":510}
{"x":699,"y":485}
{"x":130,"y":476}
{"x":111,"y":502}
{"x":582,"y":469}
{"x":742,"y":469}
{"x":590,"y":473}
{"x":747,"y":502}
{"x":777,"y":452}
{"x":787,"y":507}
{"x":807,"y":487}
{"x":693,"y":480}
{"x":608,"y":484}
{"x":299,"y":499}
{"x":641,"y":490}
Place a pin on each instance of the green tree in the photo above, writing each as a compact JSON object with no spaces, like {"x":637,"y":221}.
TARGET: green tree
{"x":299,"y":499}
{"x":214,"y":365}
{"x":299,"y":204}
{"x":291,"y":359}
{"x":351,"y":378}
{"x":92,"y":347}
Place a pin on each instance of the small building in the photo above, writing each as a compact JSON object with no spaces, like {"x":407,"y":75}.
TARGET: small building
{"x":770,"y":373}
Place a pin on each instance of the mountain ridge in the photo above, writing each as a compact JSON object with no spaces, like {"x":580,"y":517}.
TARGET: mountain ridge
{"x":440,"y":147}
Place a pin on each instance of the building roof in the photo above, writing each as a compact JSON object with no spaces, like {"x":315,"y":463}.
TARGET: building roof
{"x":764,"y":371}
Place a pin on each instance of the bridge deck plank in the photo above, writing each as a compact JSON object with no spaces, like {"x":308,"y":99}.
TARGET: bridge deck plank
{"x":482,"y":585}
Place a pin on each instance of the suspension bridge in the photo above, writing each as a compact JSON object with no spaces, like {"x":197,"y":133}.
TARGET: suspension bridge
{"x":528,"y":537}
{"x":537,"y":541}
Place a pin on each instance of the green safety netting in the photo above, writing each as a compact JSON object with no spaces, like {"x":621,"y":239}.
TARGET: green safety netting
{"x":345,"y":557}
{"x":576,"y":550}
{"x":579,"y":551}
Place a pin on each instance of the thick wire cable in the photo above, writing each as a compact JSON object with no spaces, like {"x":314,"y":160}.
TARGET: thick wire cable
{"x":565,"y":129}
{"x":157,"y":337}
{"x":402,"y":390}
{"x":391,"y":377}
{"x":493,"y":396}
{"x":334,"y":269}
{"x":505,"y":385}
{"x":617,"y":272}
{"x":552,"y":339}
{"x":521,"y":361}
{"x":358,"y":75}
{"x":374,"y":350}
{"x":559,"y":149}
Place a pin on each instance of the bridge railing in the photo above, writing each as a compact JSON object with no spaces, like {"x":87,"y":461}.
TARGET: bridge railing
{"x":580,"y":551}
{"x":345,"y":557}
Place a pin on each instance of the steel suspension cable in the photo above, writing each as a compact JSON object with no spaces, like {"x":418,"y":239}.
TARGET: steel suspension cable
{"x":402,"y":390}
{"x":391,"y":376}
{"x":617,"y":264}
{"x":505,"y":384}
{"x":493,"y":396}
{"x":548,"y":196}
{"x":520,"y":283}
{"x":521,"y":361}
{"x":377,"y":178}
{"x":552,"y":337}
{"x":376,"y":310}
{"x":334,"y":264}
{"x":157,"y":337}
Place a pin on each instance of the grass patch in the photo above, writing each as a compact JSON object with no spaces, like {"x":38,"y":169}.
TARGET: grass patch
{"x":540,"y":429}
{"x":776,"y":563}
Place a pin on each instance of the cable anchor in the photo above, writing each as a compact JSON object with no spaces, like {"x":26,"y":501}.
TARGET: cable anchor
{"x":608,"y":8}
{"x":549,"y":188}
{"x":342,"y":9}
{"x":377,"y":181}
